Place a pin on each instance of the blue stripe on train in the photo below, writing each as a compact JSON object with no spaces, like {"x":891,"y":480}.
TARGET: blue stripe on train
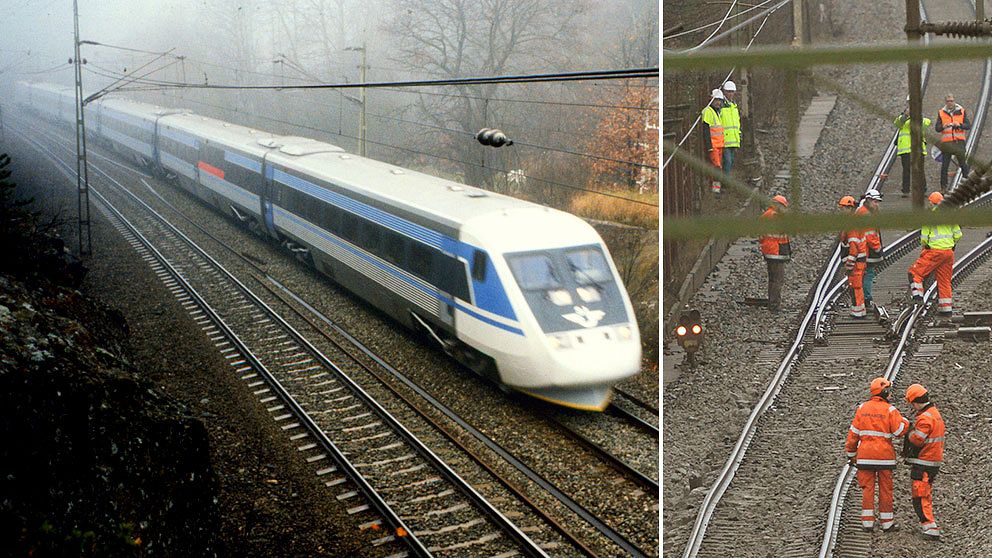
{"x":390,"y":270}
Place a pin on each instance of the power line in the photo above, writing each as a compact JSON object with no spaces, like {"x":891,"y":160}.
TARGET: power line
{"x":717,"y":30}
{"x":632,"y":73}
{"x":442,"y":157}
{"x":471,"y":134}
{"x":315,"y":81}
{"x":527,"y":101}
{"x":711,"y":24}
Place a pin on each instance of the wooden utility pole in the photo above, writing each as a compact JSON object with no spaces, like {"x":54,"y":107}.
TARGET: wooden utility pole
{"x":799,"y":30}
{"x":915,"y":106}
{"x":979,"y":10}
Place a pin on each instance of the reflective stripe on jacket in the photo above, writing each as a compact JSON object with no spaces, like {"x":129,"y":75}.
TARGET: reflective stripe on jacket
{"x":875,"y":424}
{"x":903,"y":140}
{"x":939,"y":237}
{"x":873,"y":239}
{"x":853,"y":246}
{"x":775,"y":246}
{"x":927,"y":437}
{"x":730,"y":117}
{"x":712,"y":119}
{"x":957,"y":116}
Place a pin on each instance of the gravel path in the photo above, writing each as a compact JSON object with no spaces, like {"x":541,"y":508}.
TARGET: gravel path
{"x":706,"y":407}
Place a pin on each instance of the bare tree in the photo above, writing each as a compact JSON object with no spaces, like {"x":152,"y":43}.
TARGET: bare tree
{"x":466,"y":38}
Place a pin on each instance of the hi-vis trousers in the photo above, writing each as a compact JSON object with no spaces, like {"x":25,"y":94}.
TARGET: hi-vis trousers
{"x":855,"y":279}
{"x":930,"y":260}
{"x":886,"y":510}
{"x":923,"y":500}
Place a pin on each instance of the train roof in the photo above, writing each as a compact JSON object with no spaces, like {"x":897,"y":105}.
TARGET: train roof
{"x":435,"y":198}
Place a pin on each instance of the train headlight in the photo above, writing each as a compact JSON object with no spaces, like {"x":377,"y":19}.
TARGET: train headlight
{"x":697,"y":329}
{"x":681,"y":331}
{"x":560,"y":341}
{"x":624,"y":332}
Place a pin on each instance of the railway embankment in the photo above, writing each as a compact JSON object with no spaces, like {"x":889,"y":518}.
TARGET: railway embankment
{"x":112,"y":445}
{"x":94,"y":460}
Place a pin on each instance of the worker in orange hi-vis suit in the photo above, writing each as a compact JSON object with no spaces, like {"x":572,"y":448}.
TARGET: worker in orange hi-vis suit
{"x":938,"y":243}
{"x":777,"y":250}
{"x":854,"y":251}
{"x":869,"y":448}
{"x":924,"y":450}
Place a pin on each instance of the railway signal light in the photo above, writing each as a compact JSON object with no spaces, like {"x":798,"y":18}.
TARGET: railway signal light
{"x":493,"y":137}
{"x":689,"y":333}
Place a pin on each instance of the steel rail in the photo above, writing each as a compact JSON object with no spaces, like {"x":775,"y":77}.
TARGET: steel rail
{"x":963,"y":266}
{"x":481,"y":503}
{"x":380,"y":504}
{"x":625,"y":468}
{"x":642,"y":424}
{"x":636,"y":401}
{"x":908,"y":319}
{"x":608,"y":532}
{"x":820,"y":291}
{"x":905,"y":243}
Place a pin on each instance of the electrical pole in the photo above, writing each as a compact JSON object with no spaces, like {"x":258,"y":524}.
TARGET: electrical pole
{"x":979,"y":10}
{"x":801,"y":36}
{"x":915,"y":106}
{"x":361,"y":132}
{"x":82,"y":172}
{"x":361,"y":117}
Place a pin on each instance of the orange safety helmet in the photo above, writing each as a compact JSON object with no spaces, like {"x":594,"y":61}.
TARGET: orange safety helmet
{"x":936,"y":197}
{"x":879,"y":384}
{"x":915,"y":391}
{"x":847,"y":201}
{"x":781,"y":199}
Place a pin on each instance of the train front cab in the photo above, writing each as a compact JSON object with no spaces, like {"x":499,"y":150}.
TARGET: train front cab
{"x":574,"y":335}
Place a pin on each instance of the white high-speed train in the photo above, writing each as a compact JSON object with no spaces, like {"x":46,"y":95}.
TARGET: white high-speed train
{"x":524,"y":294}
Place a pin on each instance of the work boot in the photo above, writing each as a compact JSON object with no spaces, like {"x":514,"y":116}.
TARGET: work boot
{"x":917,"y":299}
{"x":893,"y":529}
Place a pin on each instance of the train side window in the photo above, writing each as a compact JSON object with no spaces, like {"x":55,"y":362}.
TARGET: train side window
{"x":479,"y":266}
{"x":421,"y":261}
{"x":331,"y":219}
{"x":349,"y":227}
{"x":392,"y":247}
{"x":372,"y":237}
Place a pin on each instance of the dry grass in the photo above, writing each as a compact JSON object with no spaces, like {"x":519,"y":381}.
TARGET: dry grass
{"x":605,"y":208}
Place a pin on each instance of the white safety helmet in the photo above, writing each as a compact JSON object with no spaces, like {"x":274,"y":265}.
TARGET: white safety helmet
{"x":717,"y":94}
{"x":873,"y":194}
{"x":730,"y":86}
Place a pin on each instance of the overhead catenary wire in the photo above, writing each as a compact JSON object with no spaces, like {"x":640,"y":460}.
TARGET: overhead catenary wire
{"x":469,"y":134}
{"x":726,"y":16}
{"x":631,"y":73}
{"x":315,"y":81}
{"x":711,"y":24}
{"x":729,"y":74}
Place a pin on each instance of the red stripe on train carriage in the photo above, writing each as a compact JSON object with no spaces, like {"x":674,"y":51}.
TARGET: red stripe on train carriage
{"x":211,"y":169}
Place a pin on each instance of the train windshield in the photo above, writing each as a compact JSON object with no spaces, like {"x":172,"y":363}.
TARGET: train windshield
{"x":568,"y":288}
{"x":534,"y":272}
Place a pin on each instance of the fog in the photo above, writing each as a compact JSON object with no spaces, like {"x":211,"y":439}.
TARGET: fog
{"x":250,"y":42}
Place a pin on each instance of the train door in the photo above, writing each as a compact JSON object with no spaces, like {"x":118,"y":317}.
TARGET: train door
{"x":268,"y":190}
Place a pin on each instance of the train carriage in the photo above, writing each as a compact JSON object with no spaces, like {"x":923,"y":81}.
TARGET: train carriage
{"x":525,"y":294}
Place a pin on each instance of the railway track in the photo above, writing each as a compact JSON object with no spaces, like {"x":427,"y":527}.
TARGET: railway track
{"x":844,"y":536}
{"x":374,"y":361}
{"x":768,"y":498}
{"x":370,"y":460}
